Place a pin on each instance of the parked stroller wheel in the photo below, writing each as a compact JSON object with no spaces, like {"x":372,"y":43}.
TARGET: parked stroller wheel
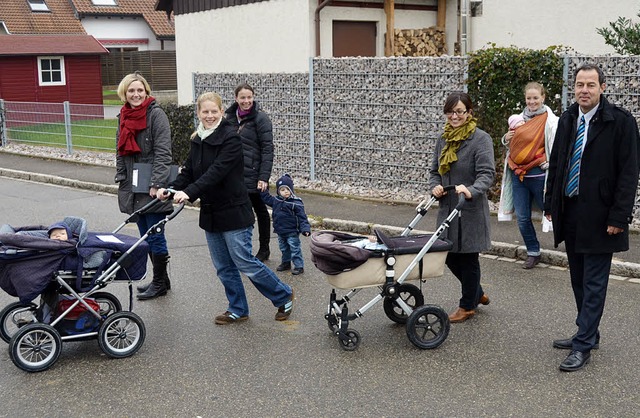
{"x":410,"y":294}
{"x":35,"y":347}
{"x":350,"y":340}
{"x":121,"y":334}
{"x":14,"y":316}
{"x":109,"y":304}
{"x":428,"y":327}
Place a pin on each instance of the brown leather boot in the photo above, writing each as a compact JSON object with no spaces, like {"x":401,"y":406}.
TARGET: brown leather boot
{"x":460,"y":315}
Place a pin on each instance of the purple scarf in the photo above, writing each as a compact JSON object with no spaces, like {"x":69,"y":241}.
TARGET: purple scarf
{"x":243,"y":113}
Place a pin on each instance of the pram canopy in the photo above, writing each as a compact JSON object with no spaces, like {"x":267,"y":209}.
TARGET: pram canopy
{"x":29,"y":258}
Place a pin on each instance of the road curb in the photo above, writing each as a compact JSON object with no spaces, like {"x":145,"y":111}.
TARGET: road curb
{"x":498,"y":249}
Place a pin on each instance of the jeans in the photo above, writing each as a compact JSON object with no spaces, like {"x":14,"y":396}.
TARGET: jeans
{"x":290,"y":248}
{"x":231,"y":254}
{"x":526,"y":192}
{"x":157,"y":242}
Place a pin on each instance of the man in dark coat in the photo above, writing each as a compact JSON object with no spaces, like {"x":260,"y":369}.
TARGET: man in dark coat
{"x":593,"y":177}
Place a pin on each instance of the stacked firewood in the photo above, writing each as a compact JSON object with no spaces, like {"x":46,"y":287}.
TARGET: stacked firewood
{"x":428,"y":42}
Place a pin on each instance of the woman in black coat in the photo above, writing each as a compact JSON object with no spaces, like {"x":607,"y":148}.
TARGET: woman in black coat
{"x":254,"y":127}
{"x":213,"y":173}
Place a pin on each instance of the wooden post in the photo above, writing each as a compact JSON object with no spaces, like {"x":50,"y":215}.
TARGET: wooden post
{"x":389,"y":10}
{"x":441,"y":20}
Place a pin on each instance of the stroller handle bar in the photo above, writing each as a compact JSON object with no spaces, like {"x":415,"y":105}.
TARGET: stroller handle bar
{"x":424,"y":206}
{"x":134,"y":216}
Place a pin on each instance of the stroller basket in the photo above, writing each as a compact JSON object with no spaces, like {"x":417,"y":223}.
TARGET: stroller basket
{"x":349,"y":267}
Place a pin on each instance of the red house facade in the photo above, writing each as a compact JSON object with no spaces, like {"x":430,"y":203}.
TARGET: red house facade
{"x":51,"y":68}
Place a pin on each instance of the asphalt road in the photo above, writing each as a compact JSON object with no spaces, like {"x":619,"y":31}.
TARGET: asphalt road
{"x":500,"y":363}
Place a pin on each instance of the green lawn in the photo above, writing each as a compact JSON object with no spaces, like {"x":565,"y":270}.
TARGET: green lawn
{"x":88,"y":133}
{"x":110,"y":97}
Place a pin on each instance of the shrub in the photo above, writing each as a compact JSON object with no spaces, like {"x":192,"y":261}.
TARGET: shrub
{"x":181,"y":120}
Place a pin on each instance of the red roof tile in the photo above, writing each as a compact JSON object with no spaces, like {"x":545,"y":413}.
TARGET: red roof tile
{"x":50,"y":45}
{"x":157,"y":20}
{"x":19,"y":18}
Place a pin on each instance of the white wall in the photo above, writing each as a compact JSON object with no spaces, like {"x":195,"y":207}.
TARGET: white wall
{"x":404,"y":19}
{"x":543,"y":23}
{"x":124,"y":28}
{"x":264,"y":37}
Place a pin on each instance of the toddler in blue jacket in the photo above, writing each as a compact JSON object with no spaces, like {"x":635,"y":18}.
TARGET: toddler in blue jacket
{"x":289,"y":221}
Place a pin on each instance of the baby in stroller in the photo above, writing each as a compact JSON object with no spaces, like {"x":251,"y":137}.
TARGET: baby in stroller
{"x":66,"y":265}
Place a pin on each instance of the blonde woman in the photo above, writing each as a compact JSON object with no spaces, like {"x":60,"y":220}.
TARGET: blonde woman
{"x":144,"y":136}
{"x":214,"y":173}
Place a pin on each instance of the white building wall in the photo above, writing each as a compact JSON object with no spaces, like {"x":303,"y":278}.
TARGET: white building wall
{"x":404,"y":19}
{"x":124,"y":28}
{"x":543,"y":23}
{"x":264,"y":37}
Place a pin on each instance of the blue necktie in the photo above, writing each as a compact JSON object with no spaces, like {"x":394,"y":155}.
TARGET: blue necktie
{"x":574,"y":165}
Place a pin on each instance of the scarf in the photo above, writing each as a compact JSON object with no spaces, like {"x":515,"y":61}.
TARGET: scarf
{"x":132,"y":121}
{"x":526,"y":148}
{"x":453,"y":140}
{"x":241,"y":114}
{"x":203,"y":132}
{"x":527,"y":114}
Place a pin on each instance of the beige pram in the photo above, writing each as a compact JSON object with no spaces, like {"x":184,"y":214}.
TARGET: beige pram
{"x":350,"y":263}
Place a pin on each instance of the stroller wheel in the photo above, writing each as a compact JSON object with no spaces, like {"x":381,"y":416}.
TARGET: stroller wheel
{"x":428,"y":327}
{"x":109,"y":304}
{"x":35,"y":347}
{"x":14,"y":316}
{"x":410,"y":294}
{"x":121,"y":334}
{"x":350,"y":340}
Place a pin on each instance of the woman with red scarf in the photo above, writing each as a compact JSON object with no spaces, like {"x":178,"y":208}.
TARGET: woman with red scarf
{"x":144,"y":136}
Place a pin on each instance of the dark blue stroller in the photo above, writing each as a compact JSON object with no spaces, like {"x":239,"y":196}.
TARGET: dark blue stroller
{"x":69,"y":277}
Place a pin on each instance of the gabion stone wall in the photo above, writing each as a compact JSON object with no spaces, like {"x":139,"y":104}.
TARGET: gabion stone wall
{"x":285,"y":98}
{"x":375,"y":120}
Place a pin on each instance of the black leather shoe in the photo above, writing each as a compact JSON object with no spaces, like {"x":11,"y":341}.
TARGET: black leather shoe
{"x":567,"y":344}
{"x":284,"y":267}
{"x":575,"y":361}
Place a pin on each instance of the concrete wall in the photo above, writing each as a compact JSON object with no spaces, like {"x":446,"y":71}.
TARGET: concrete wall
{"x":540,"y":24}
{"x":126,"y":28}
{"x":264,"y":37}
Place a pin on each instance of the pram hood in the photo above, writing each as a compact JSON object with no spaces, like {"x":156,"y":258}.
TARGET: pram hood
{"x":332,"y":256}
{"x":29,"y":258}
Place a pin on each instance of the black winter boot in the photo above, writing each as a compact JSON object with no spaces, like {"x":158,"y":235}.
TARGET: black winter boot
{"x":144,"y":287}
{"x":158,"y":287}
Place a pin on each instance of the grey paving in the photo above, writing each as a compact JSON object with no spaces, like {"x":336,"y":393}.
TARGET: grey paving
{"x":329,"y":212}
{"x":498,"y":364}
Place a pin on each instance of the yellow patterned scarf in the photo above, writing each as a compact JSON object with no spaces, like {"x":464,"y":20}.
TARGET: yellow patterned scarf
{"x":453,"y":139}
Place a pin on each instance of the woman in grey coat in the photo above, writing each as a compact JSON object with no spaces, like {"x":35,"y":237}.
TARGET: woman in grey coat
{"x":144,"y":136}
{"x":464,"y":158}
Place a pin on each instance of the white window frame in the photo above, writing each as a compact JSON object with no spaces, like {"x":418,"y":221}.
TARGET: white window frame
{"x":38,"y":6}
{"x":63,"y":78}
{"x":104,"y":2}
